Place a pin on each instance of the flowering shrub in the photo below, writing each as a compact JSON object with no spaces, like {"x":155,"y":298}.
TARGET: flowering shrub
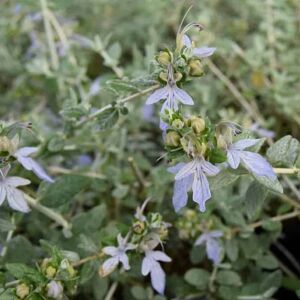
{"x":100,"y":163}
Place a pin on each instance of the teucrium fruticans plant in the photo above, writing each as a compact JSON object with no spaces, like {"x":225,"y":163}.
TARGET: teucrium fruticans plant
{"x":105,"y":164}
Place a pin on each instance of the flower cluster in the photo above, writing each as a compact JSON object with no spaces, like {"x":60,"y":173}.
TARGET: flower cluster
{"x":145,"y":235}
{"x":206,"y":148}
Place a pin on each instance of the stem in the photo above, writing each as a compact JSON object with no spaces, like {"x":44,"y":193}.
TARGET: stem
{"x":49,"y":36}
{"x":286,"y":170}
{"x":111,"y":291}
{"x":12,"y":283}
{"x":51,"y":214}
{"x":139,"y":175}
{"x":59,"y":170}
{"x":236,"y":93}
{"x":121,"y":101}
{"x":212,"y":279}
{"x":8,"y":238}
{"x":87,"y":259}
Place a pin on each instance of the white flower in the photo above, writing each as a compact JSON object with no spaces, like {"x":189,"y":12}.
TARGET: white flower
{"x":198,"y":52}
{"x":151,"y":265}
{"x":118,"y":254}
{"x":54,"y":290}
{"x":192,"y":176}
{"x":22,"y":155}
{"x":9,"y":191}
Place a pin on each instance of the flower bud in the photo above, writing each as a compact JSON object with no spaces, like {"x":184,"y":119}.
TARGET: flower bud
{"x":196,"y":69}
{"x":198,"y":125}
{"x":139,"y":227}
{"x":55,"y":290}
{"x":163,"y":58}
{"x":6,"y":145}
{"x":172,"y":139}
{"x":163,"y":232}
{"x":178,"y":124}
{"x":50,"y":272}
{"x":22,"y":290}
{"x":177,"y":76}
{"x":163,"y":76}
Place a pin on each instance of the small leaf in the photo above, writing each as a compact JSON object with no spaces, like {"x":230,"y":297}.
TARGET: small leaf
{"x":229,"y":278}
{"x":197,"y":277}
{"x":21,"y":271}
{"x":284,"y":151}
{"x":273,"y":185}
{"x":107,"y":119}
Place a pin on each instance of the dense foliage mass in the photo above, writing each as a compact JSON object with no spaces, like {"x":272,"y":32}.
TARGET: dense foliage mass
{"x":145,"y":156}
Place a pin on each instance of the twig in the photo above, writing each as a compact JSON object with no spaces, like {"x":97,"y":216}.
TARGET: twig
{"x":111,"y":291}
{"x":49,"y":36}
{"x":286,"y":170}
{"x":8,"y":238}
{"x":212,"y":279}
{"x":236,"y":93}
{"x":137,"y":172}
{"x":51,"y":214}
{"x":87,"y":259}
{"x":60,"y":170}
{"x":121,"y":101}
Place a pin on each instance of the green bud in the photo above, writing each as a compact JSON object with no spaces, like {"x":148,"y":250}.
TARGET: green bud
{"x":163,"y":76}
{"x":198,"y":125}
{"x":6,"y":145}
{"x":178,"y":124}
{"x":172,"y":139}
{"x":177,"y":76}
{"x":196,"y":69}
{"x":163,"y":58}
{"x":50,"y":272}
{"x":22,"y":290}
{"x":139,"y":227}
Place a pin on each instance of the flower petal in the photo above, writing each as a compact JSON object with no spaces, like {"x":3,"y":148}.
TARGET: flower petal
{"x":176,"y":168}
{"x":25,"y":151}
{"x":2,"y":193}
{"x":186,"y":170}
{"x":204,"y":51}
{"x":201,"y":239}
{"x":180,"y":195}
{"x":209,"y":168}
{"x":109,"y":266}
{"x":245,"y":143}
{"x":16,"y":199}
{"x":160,"y":256}
{"x":110,"y":250}
{"x":182,"y":96}
{"x":147,"y":265}
{"x":125,"y":261}
{"x":158,"y":95}
{"x":16,"y":181}
{"x":213,"y":250}
{"x":233,"y":158}
{"x":40,"y":172}
{"x":186,"y":41}
{"x":26,"y":162}
{"x":158,"y":278}
{"x":201,"y":191}
{"x":215,"y":233}
{"x":257,"y":165}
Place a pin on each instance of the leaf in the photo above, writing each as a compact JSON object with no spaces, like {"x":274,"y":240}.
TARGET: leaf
{"x":268,"y":262}
{"x":231,"y":248}
{"x":21,"y":271}
{"x":107,"y":119}
{"x":225,"y":277}
{"x":221,"y":180}
{"x":87,"y":272}
{"x":64,"y":189}
{"x":284,"y":151}
{"x":271,"y":280}
{"x":114,"y":52}
{"x":197,"y":277}
{"x":254,"y":200}
{"x":139,"y":293}
{"x":6,"y":225}
{"x":273,"y":185}
{"x":56,"y":143}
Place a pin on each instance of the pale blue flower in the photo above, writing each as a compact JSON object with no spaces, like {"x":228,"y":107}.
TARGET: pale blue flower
{"x":262,"y":132}
{"x":95,"y":87}
{"x":22,"y":155}
{"x":55,"y":290}
{"x":9,"y":191}
{"x":171,"y":93}
{"x":213,"y":249}
{"x":253,"y":162}
{"x":198,"y":52}
{"x":151,"y":265}
{"x":118,"y":255}
{"x":192,"y":176}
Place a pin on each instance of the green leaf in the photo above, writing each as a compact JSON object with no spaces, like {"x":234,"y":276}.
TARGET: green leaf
{"x":268,"y":262}
{"x":139,"y":293}
{"x":232,"y":249}
{"x":284,"y":151}
{"x":197,"y":277}
{"x":254,"y":201}
{"x":21,"y":271}
{"x":221,"y":180}
{"x":56,"y":143}
{"x":87,"y":272}
{"x":273,"y":185}
{"x":271,"y":280}
{"x":225,"y":277}
{"x":6,"y":225}
{"x":64,"y":189}
{"x":107,"y":119}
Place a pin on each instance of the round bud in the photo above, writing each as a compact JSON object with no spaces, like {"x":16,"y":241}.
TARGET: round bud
{"x":172,"y":139}
{"x":163,"y":58}
{"x":139,"y":227}
{"x":163,"y":76}
{"x":177,"y":76}
{"x":196,"y":69}
{"x":178,"y":124}
{"x":6,"y":145}
{"x":50,"y":272}
{"x":22,"y":290}
{"x":198,"y":125}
